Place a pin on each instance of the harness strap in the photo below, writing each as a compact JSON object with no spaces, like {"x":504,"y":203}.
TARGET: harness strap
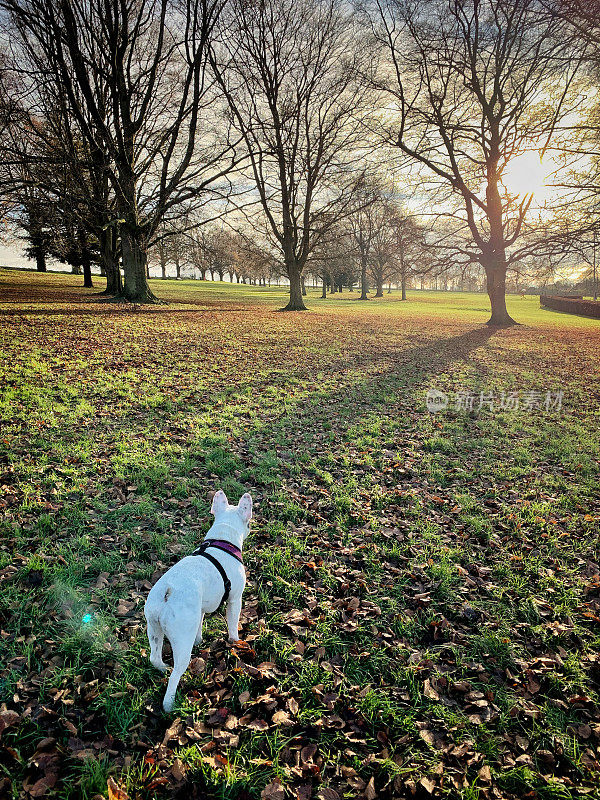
{"x":201,"y":551}
{"x":220,"y":544}
{"x":227,"y":547}
{"x":223,"y":574}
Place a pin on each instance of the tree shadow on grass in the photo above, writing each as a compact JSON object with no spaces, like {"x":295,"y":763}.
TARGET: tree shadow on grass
{"x":304,"y":421}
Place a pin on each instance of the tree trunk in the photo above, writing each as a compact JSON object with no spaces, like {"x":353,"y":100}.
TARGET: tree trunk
{"x":496,"y":289}
{"x":85,"y":260}
{"x":296,"y":303}
{"x":135,"y":258}
{"x":379,"y":283}
{"x":494,"y":256}
{"x":324,"y":289}
{"x":40,"y":257}
{"x":87,"y":272}
{"x":303,"y":286}
{"x":364,"y":284}
{"x":403,"y":287}
{"x":163,"y":260}
{"x":178,"y":267}
{"x":110,"y":263}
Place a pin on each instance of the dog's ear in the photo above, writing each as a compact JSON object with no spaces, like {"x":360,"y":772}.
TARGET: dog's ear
{"x":219,"y":502}
{"x":245,"y":507}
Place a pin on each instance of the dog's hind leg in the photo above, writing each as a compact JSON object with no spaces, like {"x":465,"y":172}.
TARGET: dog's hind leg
{"x":156,"y":637}
{"x":180,"y":621}
{"x":198,"y":639}
{"x":181,"y":643}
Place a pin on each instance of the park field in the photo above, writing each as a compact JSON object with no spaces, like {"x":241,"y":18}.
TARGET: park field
{"x":422,"y":615}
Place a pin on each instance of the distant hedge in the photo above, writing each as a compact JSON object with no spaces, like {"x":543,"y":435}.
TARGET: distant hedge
{"x":589,"y":308}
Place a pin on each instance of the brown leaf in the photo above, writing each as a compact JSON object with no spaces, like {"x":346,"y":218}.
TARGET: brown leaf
{"x":7,"y":719}
{"x":427,"y":736}
{"x":328,"y":794}
{"x":370,"y":792}
{"x":273,"y":790}
{"x":116,"y":792}
{"x":307,"y":752}
{"x":178,"y":770}
{"x":102,"y":580}
{"x":257,"y":725}
{"x":295,"y":616}
{"x":461,"y":686}
{"x":40,"y":787}
{"x":303,"y":792}
{"x":231,"y":723}
{"x":427,"y":784}
{"x":69,"y":726}
{"x":429,"y":691}
{"x":197,"y":666}
{"x":124,"y":607}
{"x":218,"y":717}
{"x":293,"y":706}
{"x":584,"y":731}
{"x":485,"y":774}
{"x":282,"y":718}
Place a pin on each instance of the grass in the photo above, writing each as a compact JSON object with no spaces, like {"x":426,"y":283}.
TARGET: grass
{"x":423,"y":598}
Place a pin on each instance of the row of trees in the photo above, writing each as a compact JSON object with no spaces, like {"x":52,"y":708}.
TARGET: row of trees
{"x":128,"y":127}
{"x":377,"y":245}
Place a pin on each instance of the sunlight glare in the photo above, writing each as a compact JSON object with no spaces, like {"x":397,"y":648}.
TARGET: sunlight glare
{"x":527,"y":174}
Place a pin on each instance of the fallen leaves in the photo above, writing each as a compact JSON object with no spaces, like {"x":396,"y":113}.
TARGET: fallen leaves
{"x":45,"y":760}
{"x":124,"y":607}
{"x":8,"y":719}
{"x":429,"y":604}
{"x":115,"y":791}
{"x":273,"y":791}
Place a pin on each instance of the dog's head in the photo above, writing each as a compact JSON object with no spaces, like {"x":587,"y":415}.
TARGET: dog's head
{"x":237,"y":516}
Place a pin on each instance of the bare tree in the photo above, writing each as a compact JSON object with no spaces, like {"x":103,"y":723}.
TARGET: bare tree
{"x":409,"y":248}
{"x":288,"y":68}
{"x":134,"y":78}
{"x":383,"y":265}
{"x":475,"y":84}
{"x":362,"y":225}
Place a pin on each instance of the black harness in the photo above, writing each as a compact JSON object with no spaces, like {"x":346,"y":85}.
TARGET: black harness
{"x":201,"y":551}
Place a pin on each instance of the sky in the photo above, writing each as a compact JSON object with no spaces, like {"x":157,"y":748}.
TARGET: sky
{"x":13,"y":257}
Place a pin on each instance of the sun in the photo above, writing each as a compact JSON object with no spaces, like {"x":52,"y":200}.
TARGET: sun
{"x":528,"y":174}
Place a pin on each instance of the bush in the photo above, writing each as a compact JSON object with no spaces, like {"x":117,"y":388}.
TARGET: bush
{"x":589,"y":308}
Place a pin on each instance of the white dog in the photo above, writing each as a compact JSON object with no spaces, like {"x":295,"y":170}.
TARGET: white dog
{"x":196,"y":585}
